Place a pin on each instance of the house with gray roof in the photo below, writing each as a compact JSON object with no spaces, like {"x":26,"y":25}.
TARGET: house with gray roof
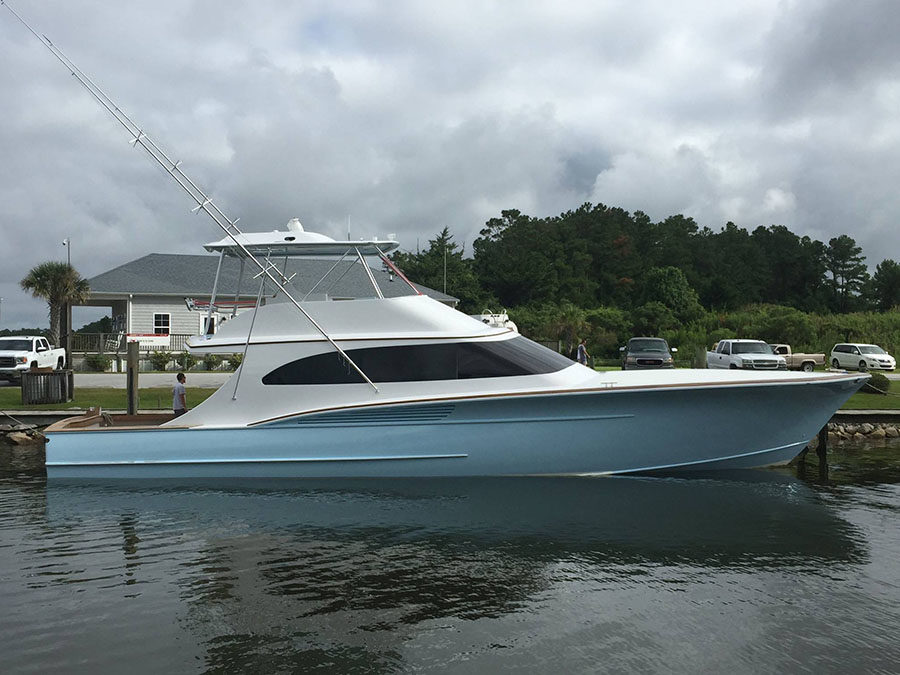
{"x":152,"y":295}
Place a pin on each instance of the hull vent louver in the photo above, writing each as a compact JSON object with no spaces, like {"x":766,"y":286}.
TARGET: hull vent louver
{"x":385,"y":415}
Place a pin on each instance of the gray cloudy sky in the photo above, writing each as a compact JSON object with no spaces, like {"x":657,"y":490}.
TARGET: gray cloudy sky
{"x":409,"y":116}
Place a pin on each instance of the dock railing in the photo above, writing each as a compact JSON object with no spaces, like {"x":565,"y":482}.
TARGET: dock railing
{"x":115,"y":343}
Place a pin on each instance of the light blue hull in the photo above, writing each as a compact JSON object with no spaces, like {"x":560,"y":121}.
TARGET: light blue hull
{"x":567,"y":433}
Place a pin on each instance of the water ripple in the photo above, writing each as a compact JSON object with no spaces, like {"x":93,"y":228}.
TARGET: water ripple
{"x":544,"y":575}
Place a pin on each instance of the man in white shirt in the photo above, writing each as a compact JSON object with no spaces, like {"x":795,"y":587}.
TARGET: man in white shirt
{"x":179,"y":402}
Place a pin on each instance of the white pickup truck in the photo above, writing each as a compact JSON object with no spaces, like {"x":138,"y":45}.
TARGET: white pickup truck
{"x":744,"y":355}
{"x":22,"y":352}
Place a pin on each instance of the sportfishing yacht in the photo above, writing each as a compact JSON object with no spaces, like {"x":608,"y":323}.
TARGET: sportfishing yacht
{"x":405,"y":386}
{"x":409,"y":387}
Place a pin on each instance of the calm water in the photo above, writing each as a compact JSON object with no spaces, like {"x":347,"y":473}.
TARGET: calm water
{"x":758,"y":572}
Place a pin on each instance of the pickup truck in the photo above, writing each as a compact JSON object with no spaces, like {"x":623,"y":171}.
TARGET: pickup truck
{"x":798,"y":361}
{"x":21,"y":353}
{"x":744,"y":355}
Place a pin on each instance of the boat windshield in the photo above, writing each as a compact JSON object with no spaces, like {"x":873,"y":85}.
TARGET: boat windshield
{"x":648,"y":345}
{"x":420,"y":363}
{"x":871,"y":349}
{"x":750,"y":348}
{"x":8,"y":345}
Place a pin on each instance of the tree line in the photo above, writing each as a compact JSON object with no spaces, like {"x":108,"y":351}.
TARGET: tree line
{"x":604,"y":273}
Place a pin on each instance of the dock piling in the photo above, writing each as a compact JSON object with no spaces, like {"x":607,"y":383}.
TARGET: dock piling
{"x":132,"y":376}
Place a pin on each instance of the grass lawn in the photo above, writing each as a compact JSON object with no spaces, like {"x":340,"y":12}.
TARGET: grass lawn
{"x":890,"y":401}
{"x":157,"y":398}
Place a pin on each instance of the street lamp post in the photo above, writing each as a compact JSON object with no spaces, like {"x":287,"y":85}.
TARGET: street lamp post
{"x":67,"y":339}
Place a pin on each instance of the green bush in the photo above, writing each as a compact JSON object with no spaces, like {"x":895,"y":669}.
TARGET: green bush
{"x":97,"y":363}
{"x":187,"y":361}
{"x":234,"y":361}
{"x":160,"y":360}
{"x":877,"y":384}
{"x":212,"y":361}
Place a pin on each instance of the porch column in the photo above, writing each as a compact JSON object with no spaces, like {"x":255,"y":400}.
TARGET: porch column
{"x":128,"y":312}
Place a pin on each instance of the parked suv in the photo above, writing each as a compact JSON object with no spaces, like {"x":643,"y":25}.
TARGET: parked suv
{"x":646,"y":352}
{"x":857,"y":356}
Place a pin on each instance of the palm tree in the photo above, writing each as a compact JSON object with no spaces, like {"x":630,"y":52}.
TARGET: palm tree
{"x":60,"y":285}
{"x":570,"y":324}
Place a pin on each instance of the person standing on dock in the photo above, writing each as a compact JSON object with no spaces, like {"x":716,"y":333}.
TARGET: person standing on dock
{"x":179,"y":400}
{"x":582,"y":353}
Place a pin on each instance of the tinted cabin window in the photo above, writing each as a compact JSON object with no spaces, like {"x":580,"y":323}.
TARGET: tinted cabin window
{"x":412,"y":363}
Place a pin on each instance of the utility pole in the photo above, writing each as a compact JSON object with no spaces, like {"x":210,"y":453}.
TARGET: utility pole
{"x":68,"y":244}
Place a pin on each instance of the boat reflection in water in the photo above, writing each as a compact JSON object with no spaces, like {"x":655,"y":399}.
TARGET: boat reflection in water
{"x":355,"y":574}
{"x":753,"y":517}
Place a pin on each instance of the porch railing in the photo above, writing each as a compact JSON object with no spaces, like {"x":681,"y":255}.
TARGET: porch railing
{"x":114,"y":343}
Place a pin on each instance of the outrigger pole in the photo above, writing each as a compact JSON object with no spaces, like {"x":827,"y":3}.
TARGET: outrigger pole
{"x":203,"y":201}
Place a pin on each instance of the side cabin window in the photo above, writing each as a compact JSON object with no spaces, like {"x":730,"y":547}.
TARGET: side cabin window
{"x":161,"y":324}
{"x":416,"y":363}
{"x":724,"y":348}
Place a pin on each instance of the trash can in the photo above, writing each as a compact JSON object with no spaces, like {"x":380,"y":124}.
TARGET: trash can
{"x":55,"y":386}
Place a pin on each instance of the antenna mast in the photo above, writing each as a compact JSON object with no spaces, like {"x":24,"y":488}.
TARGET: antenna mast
{"x":204,"y":202}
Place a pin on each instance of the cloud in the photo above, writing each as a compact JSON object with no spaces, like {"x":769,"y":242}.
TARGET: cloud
{"x":407,"y":117}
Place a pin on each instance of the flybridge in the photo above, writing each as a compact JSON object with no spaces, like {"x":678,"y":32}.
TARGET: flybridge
{"x":256,"y":248}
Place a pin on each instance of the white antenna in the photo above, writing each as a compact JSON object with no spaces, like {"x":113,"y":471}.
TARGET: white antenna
{"x":203,"y":201}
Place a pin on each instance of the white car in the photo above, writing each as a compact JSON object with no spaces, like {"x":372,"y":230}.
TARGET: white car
{"x":858,"y":356}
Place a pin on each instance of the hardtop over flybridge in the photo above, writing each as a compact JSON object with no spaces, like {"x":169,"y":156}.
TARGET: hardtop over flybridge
{"x":406,"y":386}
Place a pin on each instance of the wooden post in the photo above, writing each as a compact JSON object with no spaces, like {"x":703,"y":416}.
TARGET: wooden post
{"x":132,"y":377}
{"x":822,"y":447}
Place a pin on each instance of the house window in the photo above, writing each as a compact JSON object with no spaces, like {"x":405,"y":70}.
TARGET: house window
{"x":161,"y":324}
